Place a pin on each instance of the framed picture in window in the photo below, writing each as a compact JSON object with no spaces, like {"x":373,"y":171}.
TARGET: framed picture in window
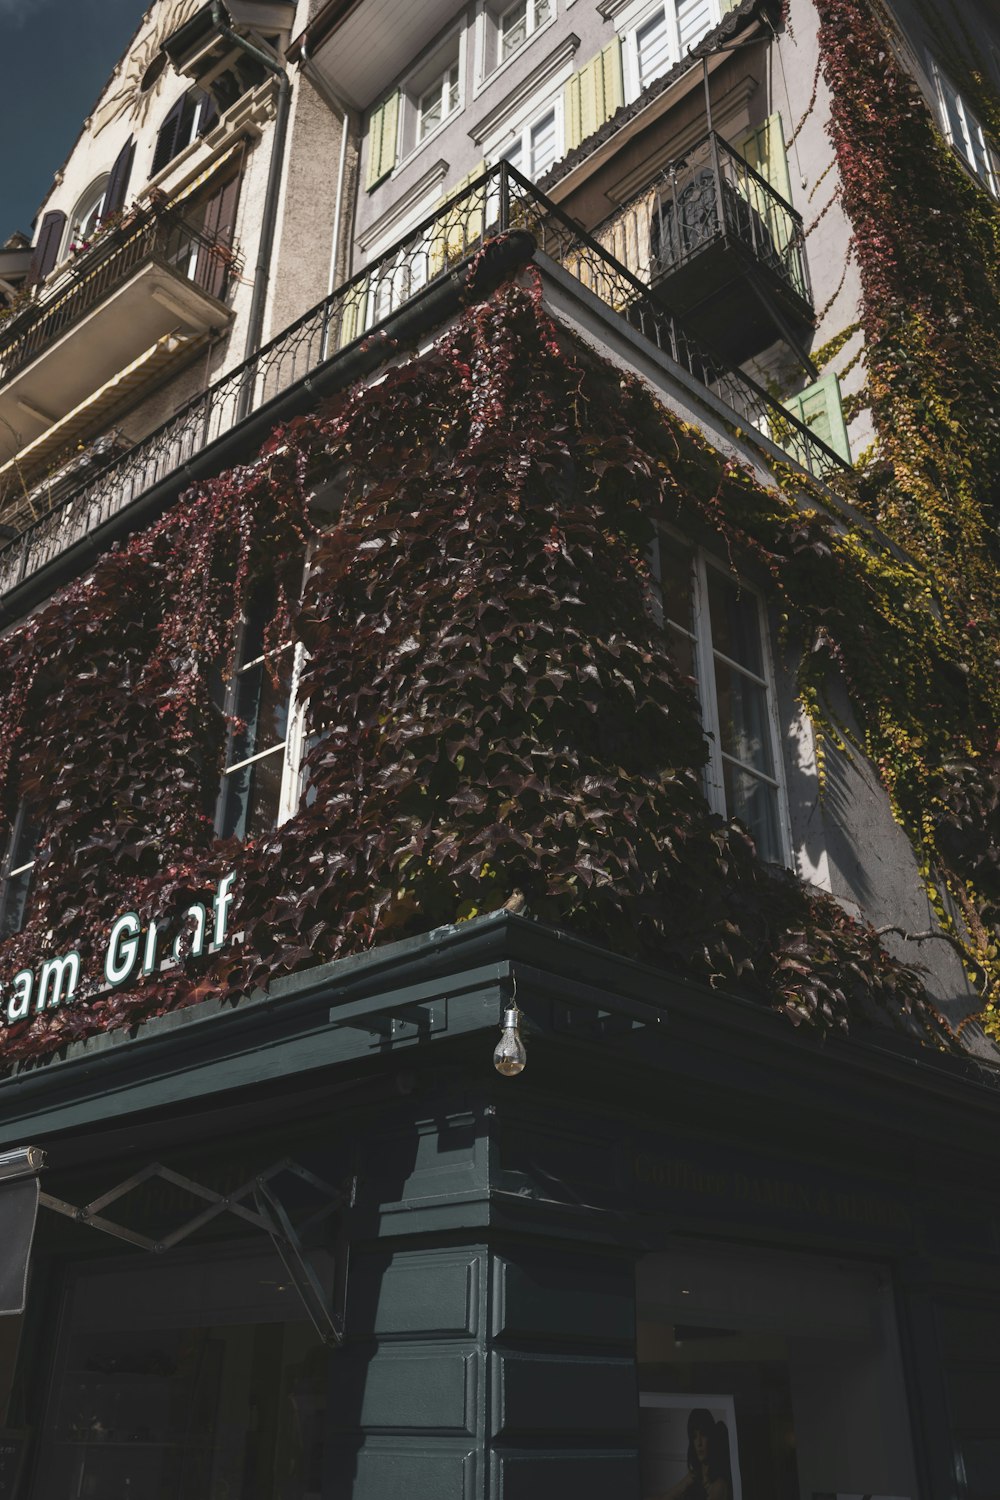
{"x":689,"y":1447}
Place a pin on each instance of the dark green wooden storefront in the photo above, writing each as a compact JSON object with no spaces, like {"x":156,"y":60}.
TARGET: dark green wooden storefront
{"x":499,"y":1225}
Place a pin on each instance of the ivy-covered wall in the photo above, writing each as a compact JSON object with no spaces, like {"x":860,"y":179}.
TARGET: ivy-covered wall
{"x":925,"y":240}
{"x":493,"y":707}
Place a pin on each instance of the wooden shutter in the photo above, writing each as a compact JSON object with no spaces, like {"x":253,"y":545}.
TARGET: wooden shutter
{"x":47,"y":249}
{"x":114,"y":197}
{"x":382,"y":130}
{"x":218,"y":221}
{"x":764,"y":149}
{"x":820,"y":409}
{"x":727,"y":5}
{"x":173,"y":134}
{"x":594,"y":94}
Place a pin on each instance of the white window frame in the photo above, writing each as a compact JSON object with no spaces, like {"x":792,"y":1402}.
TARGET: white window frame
{"x":516,"y":130}
{"x":85,"y":220}
{"x":630,"y":17}
{"x":973,"y":134}
{"x":704,"y":654}
{"x":9,"y":872}
{"x":431,"y":71}
{"x":530,"y":8}
{"x":445,"y":91}
{"x":489,"y":58}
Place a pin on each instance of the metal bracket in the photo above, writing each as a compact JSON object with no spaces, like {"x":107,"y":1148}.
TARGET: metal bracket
{"x":268,"y":1214}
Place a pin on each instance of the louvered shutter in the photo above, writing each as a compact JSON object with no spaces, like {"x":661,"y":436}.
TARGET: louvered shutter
{"x":764,"y":148}
{"x":594,"y":94}
{"x":382,"y":131}
{"x":114,"y":197}
{"x":47,"y":249}
{"x":218,"y":224}
{"x":727,"y":5}
{"x":173,"y":133}
{"x":819,"y":408}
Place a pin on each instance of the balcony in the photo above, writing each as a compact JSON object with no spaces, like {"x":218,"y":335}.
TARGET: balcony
{"x":142,"y":286}
{"x":722,"y":248}
{"x":499,"y":201}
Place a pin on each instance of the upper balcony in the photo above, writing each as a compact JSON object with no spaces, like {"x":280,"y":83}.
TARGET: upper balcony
{"x":147,"y":291}
{"x":706,"y":232}
{"x":305,"y":358}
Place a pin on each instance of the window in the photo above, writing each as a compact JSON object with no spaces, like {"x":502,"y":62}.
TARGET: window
{"x":191,"y":116}
{"x":438,"y":102}
{"x":257,"y":780}
{"x":86,"y":217}
{"x":536,"y":146}
{"x":786,"y":1366}
{"x":656,"y":38}
{"x":516,"y":24}
{"x":716,"y":625}
{"x":16,"y":870}
{"x":964,"y":132}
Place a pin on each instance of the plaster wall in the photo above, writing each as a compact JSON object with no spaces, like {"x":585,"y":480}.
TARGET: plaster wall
{"x":305,"y":256}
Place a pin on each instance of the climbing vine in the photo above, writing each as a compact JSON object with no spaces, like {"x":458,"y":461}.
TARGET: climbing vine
{"x":492,"y":705}
{"x":926,"y":242}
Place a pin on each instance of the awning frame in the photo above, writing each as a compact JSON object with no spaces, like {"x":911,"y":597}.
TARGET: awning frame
{"x":268,"y":1214}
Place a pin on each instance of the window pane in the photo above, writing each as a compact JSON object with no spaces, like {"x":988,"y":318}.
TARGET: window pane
{"x":543,"y":9}
{"x":513,"y":154}
{"x":430,"y":111}
{"x":262,"y":704}
{"x":513,"y":29}
{"x":252,"y":796}
{"x":653,"y":44}
{"x":543,"y":144}
{"x":744,"y":730}
{"x":676,"y":574}
{"x":755,"y":803}
{"x":735,"y":620}
{"x":682,"y":650}
{"x":15,"y":902}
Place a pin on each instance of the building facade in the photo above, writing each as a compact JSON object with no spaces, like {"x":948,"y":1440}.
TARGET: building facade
{"x":499,"y":552}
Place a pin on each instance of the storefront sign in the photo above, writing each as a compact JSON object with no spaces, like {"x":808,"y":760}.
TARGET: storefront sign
{"x":131,"y":952}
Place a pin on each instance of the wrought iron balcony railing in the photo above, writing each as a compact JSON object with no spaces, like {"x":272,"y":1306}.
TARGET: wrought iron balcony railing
{"x":498,"y":201}
{"x":98,"y":272}
{"x":710,"y":196}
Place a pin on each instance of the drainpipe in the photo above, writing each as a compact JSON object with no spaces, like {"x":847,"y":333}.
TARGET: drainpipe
{"x":269,"y":217}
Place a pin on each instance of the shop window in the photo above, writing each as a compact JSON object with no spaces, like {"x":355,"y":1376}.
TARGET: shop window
{"x":187,"y":1375}
{"x":768,"y":1374}
{"x":964,"y":132}
{"x":717,"y":629}
{"x":17,"y":870}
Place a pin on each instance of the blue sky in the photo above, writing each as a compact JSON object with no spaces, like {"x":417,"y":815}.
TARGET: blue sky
{"x":55,"y":56}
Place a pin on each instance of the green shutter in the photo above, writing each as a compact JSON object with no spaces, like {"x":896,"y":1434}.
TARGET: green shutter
{"x":819,"y":408}
{"x":382,"y":130}
{"x":764,"y":149}
{"x":594,"y":93}
{"x":727,"y":5}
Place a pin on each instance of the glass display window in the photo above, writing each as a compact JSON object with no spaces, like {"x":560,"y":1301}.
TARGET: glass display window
{"x":197,"y":1380}
{"x":768,"y":1375}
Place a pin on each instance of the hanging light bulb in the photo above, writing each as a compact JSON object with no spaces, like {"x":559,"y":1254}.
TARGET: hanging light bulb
{"x":509,"y":1056}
